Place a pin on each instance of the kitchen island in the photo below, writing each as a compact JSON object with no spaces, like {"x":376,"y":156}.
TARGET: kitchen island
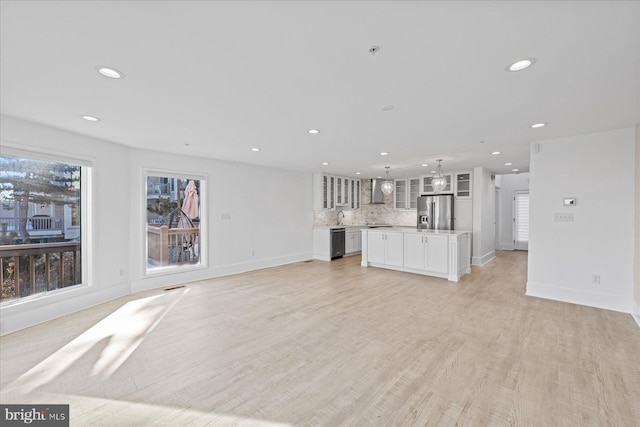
{"x":445,"y":254}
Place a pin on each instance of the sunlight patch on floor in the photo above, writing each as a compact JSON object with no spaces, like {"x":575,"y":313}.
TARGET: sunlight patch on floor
{"x":123,"y":330}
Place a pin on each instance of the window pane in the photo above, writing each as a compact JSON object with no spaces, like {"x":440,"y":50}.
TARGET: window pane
{"x":40,"y":245}
{"x":173,"y":222}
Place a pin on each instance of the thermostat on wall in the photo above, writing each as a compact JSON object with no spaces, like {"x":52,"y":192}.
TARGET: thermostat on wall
{"x":570,"y":201}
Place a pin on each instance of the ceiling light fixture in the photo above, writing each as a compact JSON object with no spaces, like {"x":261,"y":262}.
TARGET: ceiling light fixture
{"x":314,"y":131}
{"x":425,"y":165}
{"x":538,"y":125}
{"x":387,"y":184}
{"x":255,"y":149}
{"x":325,"y":164}
{"x":357,"y":173}
{"x":384,"y":153}
{"x":508,"y":164}
{"x":439,"y":181}
{"x":495,"y":153}
{"x":522,"y":64}
{"x":112,"y":73}
{"x":515,"y":170}
{"x":91,"y":118}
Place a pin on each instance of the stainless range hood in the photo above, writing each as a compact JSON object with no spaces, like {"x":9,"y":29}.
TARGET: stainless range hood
{"x":377,"y":196}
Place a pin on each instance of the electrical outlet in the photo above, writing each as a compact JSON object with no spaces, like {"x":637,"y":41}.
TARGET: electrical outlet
{"x":595,"y":278}
{"x":225,"y":216}
{"x":121,"y":271}
{"x":253,"y":253}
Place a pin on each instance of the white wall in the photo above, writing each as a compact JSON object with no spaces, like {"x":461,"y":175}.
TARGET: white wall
{"x":483,"y":217}
{"x":636,"y":259}
{"x":109,"y":246}
{"x":271,"y":215}
{"x":504,"y":216}
{"x":598,"y":170}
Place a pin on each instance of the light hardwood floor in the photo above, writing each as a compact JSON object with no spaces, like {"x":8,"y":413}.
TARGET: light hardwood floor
{"x":334,"y":344}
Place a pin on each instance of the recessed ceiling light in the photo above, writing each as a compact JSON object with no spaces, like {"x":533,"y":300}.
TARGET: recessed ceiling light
{"x":425,"y":165}
{"x":255,"y":149}
{"x":515,"y":170}
{"x":313,"y":131}
{"x":495,"y":153}
{"x":91,"y":118}
{"x":508,"y":164}
{"x":325,"y":164}
{"x":384,"y":153}
{"x":357,"y":173}
{"x":522,"y":64}
{"x":112,"y":73}
{"x":433,"y":171}
{"x":538,"y":125}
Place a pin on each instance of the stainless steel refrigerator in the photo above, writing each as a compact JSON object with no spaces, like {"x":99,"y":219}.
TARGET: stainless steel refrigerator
{"x":435,"y":212}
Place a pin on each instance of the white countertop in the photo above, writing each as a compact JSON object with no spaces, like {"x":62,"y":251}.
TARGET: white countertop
{"x":414,"y":230}
{"x":392,"y":228}
{"x":328,"y":227}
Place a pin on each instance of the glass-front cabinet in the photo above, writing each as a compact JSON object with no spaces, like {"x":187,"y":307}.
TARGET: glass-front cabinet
{"x":426,"y":188}
{"x":463,"y":185}
{"x":406,"y":193}
{"x":330,"y":191}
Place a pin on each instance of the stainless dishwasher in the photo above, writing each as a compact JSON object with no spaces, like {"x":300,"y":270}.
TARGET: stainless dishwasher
{"x":337,"y":242}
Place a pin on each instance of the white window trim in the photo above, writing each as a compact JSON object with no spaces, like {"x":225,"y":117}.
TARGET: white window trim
{"x":204,"y":241}
{"x":86,"y":252}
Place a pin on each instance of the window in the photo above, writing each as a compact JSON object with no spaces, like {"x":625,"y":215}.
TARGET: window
{"x":521,"y":226}
{"x":40,"y":226}
{"x":174,"y":221}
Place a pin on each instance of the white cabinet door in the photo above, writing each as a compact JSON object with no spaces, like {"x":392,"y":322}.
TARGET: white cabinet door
{"x":426,"y":188}
{"x":414,"y":192}
{"x":437,"y":253}
{"x":353,"y":241}
{"x":400,"y":194}
{"x":463,"y":185}
{"x":376,"y":247}
{"x":414,"y":251}
{"x":395,"y":249}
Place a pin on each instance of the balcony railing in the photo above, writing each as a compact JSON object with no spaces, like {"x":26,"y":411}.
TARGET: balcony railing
{"x":169,"y":246}
{"x":31,"y":269}
{"x":39,"y":223}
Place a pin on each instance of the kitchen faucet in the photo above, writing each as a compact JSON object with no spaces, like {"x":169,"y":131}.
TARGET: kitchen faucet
{"x":340,"y":221}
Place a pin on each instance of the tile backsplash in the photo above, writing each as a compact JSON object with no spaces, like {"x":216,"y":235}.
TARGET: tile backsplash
{"x":368,"y":213}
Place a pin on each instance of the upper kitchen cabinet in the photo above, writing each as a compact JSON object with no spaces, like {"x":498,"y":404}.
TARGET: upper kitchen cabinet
{"x":406,"y":193}
{"x":330,"y":191}
{"x":354,"y":194}
{"x":426,"y":188}
{"x":463,"y":185}
{"x":324,"y":186}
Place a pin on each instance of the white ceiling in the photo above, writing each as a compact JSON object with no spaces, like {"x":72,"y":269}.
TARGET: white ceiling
{"x":225,"y":77}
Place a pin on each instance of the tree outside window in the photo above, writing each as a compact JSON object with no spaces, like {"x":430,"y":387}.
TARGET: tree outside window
{"x":38,"y":252}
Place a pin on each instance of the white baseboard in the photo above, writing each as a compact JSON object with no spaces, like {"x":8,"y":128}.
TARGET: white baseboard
{"x":506,"y":247}
{"x":41,"y":308}
{"x":483,"y":259}
{"x":155,"y":282}
{"x":573,"y":296}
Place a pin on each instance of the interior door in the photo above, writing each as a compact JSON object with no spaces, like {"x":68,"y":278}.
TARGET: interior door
{"x":521,"y":220}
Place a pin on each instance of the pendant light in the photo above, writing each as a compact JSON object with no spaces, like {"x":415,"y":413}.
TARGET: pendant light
{"x":439,"y":181}
{"x":387,"y":184}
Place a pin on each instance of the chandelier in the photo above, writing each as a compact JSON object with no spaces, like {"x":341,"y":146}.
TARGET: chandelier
{"x":387,"y":184}
{"x":438,"y":181}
